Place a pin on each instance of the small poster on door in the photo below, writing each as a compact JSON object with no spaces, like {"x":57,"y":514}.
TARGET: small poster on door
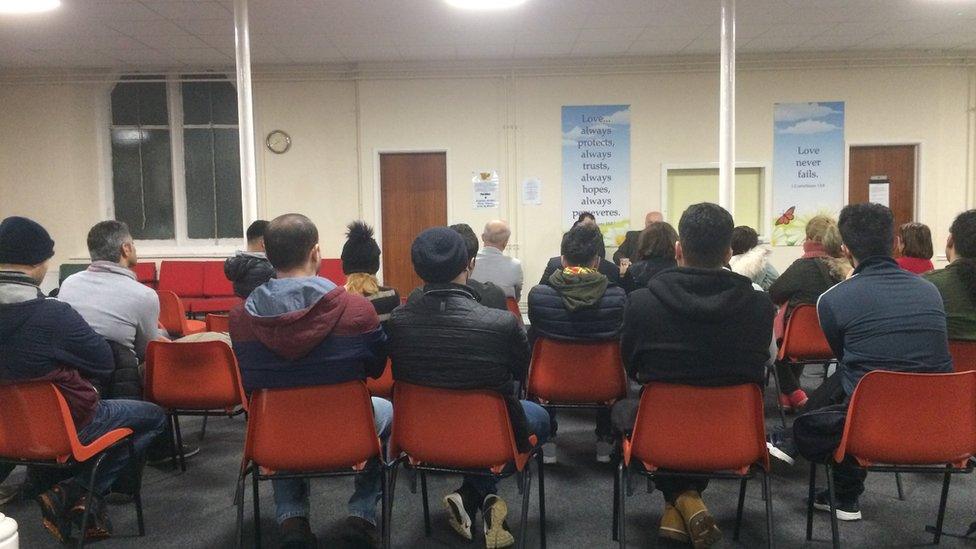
{"x":879,"y":190}
{"x":485,"y":189}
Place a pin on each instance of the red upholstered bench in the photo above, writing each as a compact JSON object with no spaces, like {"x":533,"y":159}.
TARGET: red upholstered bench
{"x":146,"y":274}
{"x":201,"y":285}
{"x":332,"y":269}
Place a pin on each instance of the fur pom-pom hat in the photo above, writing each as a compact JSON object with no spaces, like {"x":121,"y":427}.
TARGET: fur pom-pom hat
{"x":360,"y":253}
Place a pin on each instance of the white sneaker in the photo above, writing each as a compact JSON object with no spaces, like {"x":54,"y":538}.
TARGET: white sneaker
{"x":779,"y":454}
{"x":549,"y":452}
{"x":494,"y":510}
{"x":603,"y":451}
{"x":457,"y":517}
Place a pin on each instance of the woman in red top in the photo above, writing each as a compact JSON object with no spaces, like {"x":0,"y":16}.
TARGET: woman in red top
{"x":915,"y":246}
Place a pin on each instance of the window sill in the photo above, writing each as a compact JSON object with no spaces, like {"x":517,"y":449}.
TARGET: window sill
{"x":171,"y":252}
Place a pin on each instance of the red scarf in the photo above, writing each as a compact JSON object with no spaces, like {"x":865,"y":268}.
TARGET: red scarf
{"x":813,"y":249}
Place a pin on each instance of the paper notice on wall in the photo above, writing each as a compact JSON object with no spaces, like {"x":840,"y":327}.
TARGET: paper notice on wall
{"x":879,"y":192}
{"x":485,"y":189}
{"x":532,"y":191}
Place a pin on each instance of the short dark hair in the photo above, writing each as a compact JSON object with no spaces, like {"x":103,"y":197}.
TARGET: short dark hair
{"x":288,"y":239}
{"x":581,"y":244}
{"x":657,"y":240}
{"x":963,"y":231}
{"x":744,"y":239}
{"x":867,"y":229}
{"x":256,"y":230}
{"x":916,"y":239}
{"x":706,"y":234}
{"x":585,"y":215}
{"x":105,"y":240}
{"x":470,"y":239}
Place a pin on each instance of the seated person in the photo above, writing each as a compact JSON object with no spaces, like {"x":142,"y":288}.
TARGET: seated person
{"x":606,"y":268}
{"x":300,"y":330}
{"x":496,"y":267}
{"x":45,"y":339}
{"x":820,"y":267}
{"x":250,"y":268}
{"x":360,"y":263}
{"x":957,"y":282}
{"x":904,"y":333}
{"x":751,"y":259}
{"x":578,"y":304}
{"x":631,"y":245}
{"x":446,"y":339}
{"x":655,"y":253}
{"x":915,"y":248}
{"x":698,"y":324}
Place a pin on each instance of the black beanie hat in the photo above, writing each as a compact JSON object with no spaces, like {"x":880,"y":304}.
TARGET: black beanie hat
{"x":360,"y":253}
{"x":24,"y":242}
{"x":439,"y":255}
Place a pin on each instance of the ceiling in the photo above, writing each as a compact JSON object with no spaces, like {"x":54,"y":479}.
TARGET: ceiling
{"x":180,"y":33}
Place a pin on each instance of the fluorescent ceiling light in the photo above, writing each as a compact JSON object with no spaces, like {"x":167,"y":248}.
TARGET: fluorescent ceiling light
{"x":28,"y":6}
{"x":485,"y":4}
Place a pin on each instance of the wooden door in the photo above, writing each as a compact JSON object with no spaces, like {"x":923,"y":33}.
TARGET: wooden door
{"x":894,"y":164}
{"x":413,"y":194}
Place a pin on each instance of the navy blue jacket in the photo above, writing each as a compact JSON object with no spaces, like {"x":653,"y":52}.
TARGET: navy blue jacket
{"x":885,"y":318}
{"x":549,"y":317}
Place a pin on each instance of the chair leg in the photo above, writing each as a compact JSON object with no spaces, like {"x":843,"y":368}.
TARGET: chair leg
{"x":91,"y":499}
{"x":257,"y":506}
{"x":391,"y":486}
{"x":616,"y":503}
{"x":173,"y":444}
{"x":524,"y":525}
{"x":137,"y":482}
{"x":834,"y":533}
{"x":423,"y":490}
{"x":179,"y":442}
{"x":810,"y":496}
{"x":769,"y":509}
{"x":622,"y":504}
{"x":901,"y":491}
{"x":239,"y":503}
{"x":540,"y":464}
{"x":942,"y":505}
{"x":738,"y":510}
{"x":385,"y":517}
{"x":779,"y":406}
{"x":203,"y":428}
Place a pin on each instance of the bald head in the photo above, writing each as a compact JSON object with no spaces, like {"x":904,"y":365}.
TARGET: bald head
{"x":652,"y":217}
{"x":291,"y":242}
{"x":496,"y":234}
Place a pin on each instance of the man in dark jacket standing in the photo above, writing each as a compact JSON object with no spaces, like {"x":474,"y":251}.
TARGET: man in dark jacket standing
{"x":446,"y":339}
{"x":698,"y":324}
{"x":250,"y":268}
{"x":44,"y":339}
{"x":299,"y":330}
{"x":579,"y":303}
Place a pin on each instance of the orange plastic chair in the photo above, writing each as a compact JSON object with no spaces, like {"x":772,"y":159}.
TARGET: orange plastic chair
{"x":193,"y":379}
{"x":217,"y":323}
{"x":803,"y":343}
{"x":963,"y":355}
{"x":567,"y":374}
{"x":383,"y":385}
{"x":728,"y":441}
{"x":36,"y":429}
{"x":172,"y":316}
{"x":308,"y":432}
{"x":513,"y":307}
{"x":900,"y":420}
{"x":427,"y":437}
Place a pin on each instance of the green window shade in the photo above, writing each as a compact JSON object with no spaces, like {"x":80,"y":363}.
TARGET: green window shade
{"x":142,"y":182}
{"x":213,"y":183}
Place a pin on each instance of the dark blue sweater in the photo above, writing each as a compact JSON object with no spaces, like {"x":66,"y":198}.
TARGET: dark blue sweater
{"x":885,"y":318}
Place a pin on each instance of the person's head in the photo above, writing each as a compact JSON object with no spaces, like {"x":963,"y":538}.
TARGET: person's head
{"x":585,"y":218}
{"x":440,"y":255}
{"x":470,"y":242}
{"x":653,"y":217}
{"x":962,"y":237}
{"x":255,"y":235}
{"x":744,"y":239}
{"x":657,"y":241}
{"x":111,"y":241}
{"x":915,"y":240}
{"x":581,"y":247}
{"x":292,"y":244}
{"x":360,"y":259}
{"x":867,"y":230}
{"x":25,"y":247}
{"x":705,"y":239}
{"x":496,"y":234}
{"x":822,"y":229}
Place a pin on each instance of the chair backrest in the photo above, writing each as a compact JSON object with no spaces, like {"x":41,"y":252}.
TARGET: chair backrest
{"x":318,"y":428}
{"x":383,"y":385}
{"x":451,"y":428}
{"x":513,"y":307}
{"x":215,"y":282}
{"x":963,"y":355}
{"x":332,"y":269}
{"x":172,"y":315}
{"x":35,"y":422}
{"x":804,"y":339}
{"x":201,"y":375}
{"x":68,"y":269}
{"x":685,"y":428}
{"x":184,"y":278}
{"x":218,"y":323}
{"x":577,"y":371}
{"x":911,"y":419}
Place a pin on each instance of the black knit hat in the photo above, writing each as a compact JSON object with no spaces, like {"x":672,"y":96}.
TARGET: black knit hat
{"x":439,"y":255}
{"x":24,"y":242}
{"x":360,"y":253}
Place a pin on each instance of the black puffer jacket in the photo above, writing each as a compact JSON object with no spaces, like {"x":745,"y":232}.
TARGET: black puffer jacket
{"x":126,"y":380}
{"x":248,"y":270}
{"x":598,"y":316}
{"x":446,"y":339}
{"x":641,"y":272}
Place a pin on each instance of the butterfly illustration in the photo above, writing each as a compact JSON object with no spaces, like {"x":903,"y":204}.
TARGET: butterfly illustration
{"x":787,"y":216}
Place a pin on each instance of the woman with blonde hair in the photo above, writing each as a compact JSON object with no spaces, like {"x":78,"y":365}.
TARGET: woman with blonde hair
{"x":360,"y":263}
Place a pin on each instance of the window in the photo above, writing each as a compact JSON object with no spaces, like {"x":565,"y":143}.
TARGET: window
{"x":175,"y":158}
{"x":687,"y":186}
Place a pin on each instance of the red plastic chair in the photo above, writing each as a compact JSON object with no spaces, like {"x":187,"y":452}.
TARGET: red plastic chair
{"x":513,"y":307}
{"x":803,"y":343}
{"x":217,"y":323}
{"x":36,"y":429}
{"x":172,"y":316}
{"x":704,"y":432}
{"x":576,"y":373}
{"x":427,"y":437}
{"x":383,"y":385}
{"x":308,"y":432}
{"x":963,"y":355}
{"x":193,"y":379}
{"x":913,"y":423}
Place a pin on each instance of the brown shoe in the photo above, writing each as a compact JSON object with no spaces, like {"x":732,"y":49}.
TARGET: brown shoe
{"x":700,"y":525}
{"x":672,"y":525}
{"x":99,"y":526}
{"x":55,"y":506}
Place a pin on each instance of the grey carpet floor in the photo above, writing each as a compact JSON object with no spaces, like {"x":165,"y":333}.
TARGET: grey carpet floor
{"x":195,"y":508}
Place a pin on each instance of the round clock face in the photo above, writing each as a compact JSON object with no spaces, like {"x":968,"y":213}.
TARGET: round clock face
{"x":278,"y":142}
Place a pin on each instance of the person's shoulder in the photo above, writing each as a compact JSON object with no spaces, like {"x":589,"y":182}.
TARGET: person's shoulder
{"x":937,"y":277}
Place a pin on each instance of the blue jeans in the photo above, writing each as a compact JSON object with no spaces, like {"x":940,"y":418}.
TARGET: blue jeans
{"x":144,"y":418}
{"x":291,"y":495}
{"x":537,"y":419}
